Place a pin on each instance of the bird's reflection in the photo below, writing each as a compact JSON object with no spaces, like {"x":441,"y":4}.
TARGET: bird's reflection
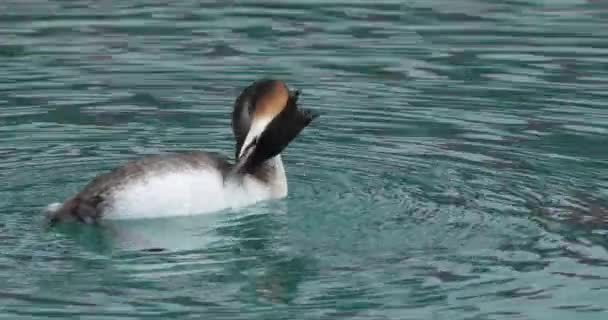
{"x":251,"y":246}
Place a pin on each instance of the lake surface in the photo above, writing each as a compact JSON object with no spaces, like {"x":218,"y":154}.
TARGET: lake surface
{"x":458,"y":169}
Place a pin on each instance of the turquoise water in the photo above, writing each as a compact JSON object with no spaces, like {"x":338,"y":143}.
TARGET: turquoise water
{"x":457,"y":171}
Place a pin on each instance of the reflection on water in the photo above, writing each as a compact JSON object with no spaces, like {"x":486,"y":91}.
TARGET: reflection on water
{"x":232,"y":255}
{"x":196,"y":232}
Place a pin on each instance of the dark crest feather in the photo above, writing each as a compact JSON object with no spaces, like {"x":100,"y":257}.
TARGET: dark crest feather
{"x":284,"y":128}
{"x":244,"y":107}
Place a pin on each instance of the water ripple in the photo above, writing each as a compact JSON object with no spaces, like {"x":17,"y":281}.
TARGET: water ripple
{"x":455,"y":171}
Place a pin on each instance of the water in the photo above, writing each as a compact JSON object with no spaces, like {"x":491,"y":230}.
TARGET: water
{"x":457,"y":171}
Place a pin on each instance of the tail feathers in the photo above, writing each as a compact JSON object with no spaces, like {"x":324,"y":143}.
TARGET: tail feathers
{"x":85,"y":210}
{"x":56,"y":212}
{"x":53,"y":213}
{"x":52,"y":208}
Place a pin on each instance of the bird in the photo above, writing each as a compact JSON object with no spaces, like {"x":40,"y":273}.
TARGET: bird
{"x":265,"y":118}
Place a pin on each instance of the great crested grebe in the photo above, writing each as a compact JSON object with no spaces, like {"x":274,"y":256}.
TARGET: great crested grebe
{"x":265,"y":119}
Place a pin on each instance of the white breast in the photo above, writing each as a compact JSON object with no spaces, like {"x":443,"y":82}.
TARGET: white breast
{"x":184,"y":192}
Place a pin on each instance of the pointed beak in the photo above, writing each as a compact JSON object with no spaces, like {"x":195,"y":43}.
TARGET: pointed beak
{"x":257,"y":128}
